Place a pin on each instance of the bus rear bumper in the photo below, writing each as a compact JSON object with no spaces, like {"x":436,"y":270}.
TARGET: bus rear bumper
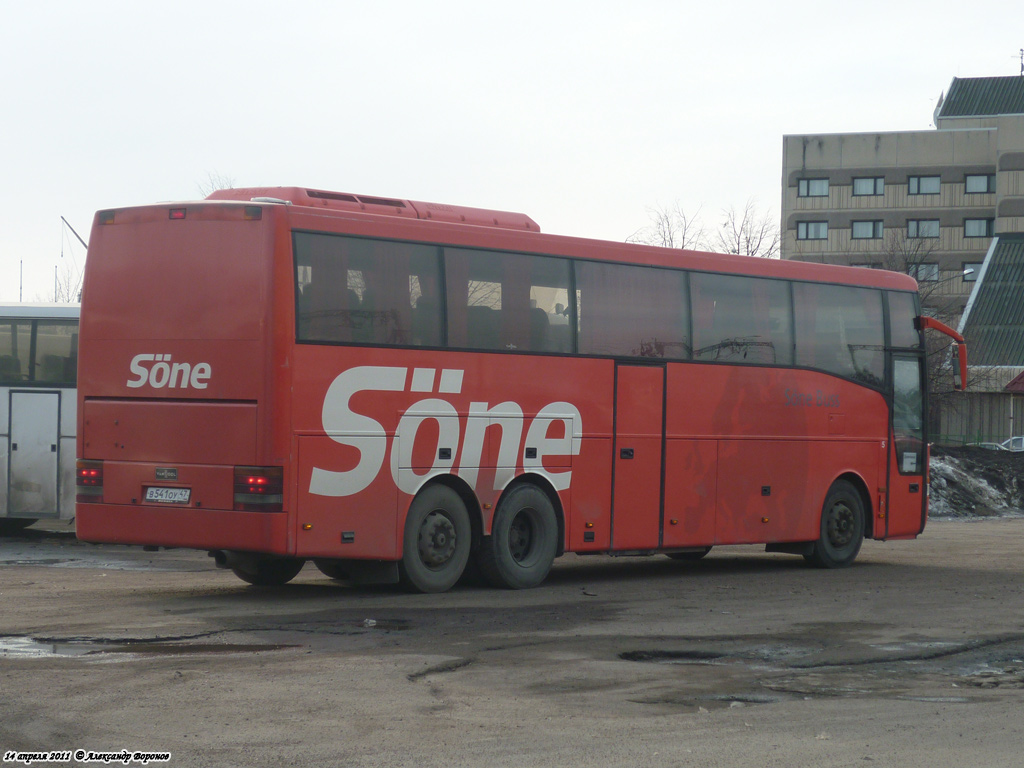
{"x":183,"y":527}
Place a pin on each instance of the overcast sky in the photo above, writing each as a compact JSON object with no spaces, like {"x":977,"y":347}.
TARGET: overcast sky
{"x":580,"y":114}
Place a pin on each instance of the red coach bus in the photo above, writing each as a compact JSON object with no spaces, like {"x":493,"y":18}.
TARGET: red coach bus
{"x":390,"y":388}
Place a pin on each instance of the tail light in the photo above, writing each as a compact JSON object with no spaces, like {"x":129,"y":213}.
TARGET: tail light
{"x":89,"y":481}
{"x":259,"y":489}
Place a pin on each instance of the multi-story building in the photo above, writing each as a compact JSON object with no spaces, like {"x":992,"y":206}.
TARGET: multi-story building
{"x":923,"y":202}
{"x":935,"y":204}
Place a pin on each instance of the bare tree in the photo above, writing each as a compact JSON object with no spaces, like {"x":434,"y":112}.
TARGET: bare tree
{"x":671,"y":227}
{"x":748,"y":233}
{"x":67,"y":284}
{"x":214,"y":181}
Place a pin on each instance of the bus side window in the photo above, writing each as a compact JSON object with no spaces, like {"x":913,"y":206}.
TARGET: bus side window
{"x":741,"y":319}
{"x":426,"y":312}
{"x":353,"y":289}
{"x":633,"y":311}
{"x":836,"y":330}
{"x":10,"y":369}
{"x":506,"y":301}
{"x":902,"y":311}
{"x":15,"y":344}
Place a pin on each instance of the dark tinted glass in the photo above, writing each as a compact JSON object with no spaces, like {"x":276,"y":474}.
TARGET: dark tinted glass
{"x":508,"y":301}
{"x":632,"y":311}
{"x":56,"y":351}
{"x":839,"y":329}
{"x":367,"y":291}
{"x":902,"y":312}
{"x":741,"y":319}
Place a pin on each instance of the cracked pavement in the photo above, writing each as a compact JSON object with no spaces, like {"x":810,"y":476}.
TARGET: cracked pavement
{"x":915,"y":656}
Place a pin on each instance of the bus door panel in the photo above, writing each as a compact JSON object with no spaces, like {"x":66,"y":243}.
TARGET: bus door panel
{"x":691,"y":492}
{"x":907,"y":489}
{"x":637,"y":457}
{"x":342,"y":511}
{"x":34,"y":438}
{"x":763,"y":493}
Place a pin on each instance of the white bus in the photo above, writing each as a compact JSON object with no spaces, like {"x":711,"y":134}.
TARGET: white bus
{"x":38,"y":376}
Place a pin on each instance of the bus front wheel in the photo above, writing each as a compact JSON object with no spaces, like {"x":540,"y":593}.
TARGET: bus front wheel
{"x":437,"y":540}
{"x":523,"y":542}
{"x":842,"y":528}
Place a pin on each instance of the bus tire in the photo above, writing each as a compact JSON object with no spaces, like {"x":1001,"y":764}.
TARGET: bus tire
{"x":264,"y":570}
{"x":692,"y":555}
{"x":12,"y":526}
{"x":523,"y":542}
{"x":437,"y":540}
{"x":842,"y":528}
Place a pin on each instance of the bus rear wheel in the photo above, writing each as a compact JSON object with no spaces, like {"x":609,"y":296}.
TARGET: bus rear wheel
{"x":691,"y":555}
{"x":523,"y":542}
{"x":437,"y":540}
{"x":263,"y":570}
{"x":842,"y":528}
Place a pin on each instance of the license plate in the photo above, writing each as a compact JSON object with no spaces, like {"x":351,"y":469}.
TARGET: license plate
{"x":168,"y":495}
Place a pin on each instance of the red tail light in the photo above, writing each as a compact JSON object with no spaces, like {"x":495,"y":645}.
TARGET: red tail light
{"x":89,"y":481}
{"x":259,"y":489}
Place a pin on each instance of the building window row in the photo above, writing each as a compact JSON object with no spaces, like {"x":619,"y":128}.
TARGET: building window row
{"x":924,"y":185}
{"x":927,"y":272}
{"x":869,"y":186}
{"x":971,"y":270}
{"x":812,"y":188}
{"x":980,"y":184}
{"x":974,"y":184}
{"x":874,"y":230}
{"x":979,"y":227}
{"x":867,"y":230}
{"x":922,"y":228}
{"x":812,"y":230}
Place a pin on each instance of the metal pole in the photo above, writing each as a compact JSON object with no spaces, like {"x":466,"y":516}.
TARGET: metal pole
{"x":84,"y":244}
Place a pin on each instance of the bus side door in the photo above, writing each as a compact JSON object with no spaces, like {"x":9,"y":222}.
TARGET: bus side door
{"x":34,"y":438}
{"x":907,"y":489}
{"x":638,"y":457}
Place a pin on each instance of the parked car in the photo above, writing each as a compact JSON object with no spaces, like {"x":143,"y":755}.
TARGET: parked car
{"x":1010,"y":444}
{"x":1013,"y":444}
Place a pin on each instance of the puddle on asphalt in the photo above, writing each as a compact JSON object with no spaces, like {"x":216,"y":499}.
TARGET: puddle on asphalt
{"x":673,"y":657}
{"x":31,"y":648}
{"x":915,"y":646}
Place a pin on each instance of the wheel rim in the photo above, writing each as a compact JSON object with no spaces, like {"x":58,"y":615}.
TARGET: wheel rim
{"x":842,"y":525}
{"x":521,"y":535}
{"x":437,"y":540}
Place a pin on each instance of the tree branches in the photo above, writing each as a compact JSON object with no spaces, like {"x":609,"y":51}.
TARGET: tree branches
{"x":749,"y":232}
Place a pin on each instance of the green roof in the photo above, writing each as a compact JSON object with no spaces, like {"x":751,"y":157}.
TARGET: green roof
{"x":984,"y":96}
{"x":993,"y":323}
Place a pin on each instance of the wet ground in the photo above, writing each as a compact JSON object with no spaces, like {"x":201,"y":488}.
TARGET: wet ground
{"x":915,"y":656}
